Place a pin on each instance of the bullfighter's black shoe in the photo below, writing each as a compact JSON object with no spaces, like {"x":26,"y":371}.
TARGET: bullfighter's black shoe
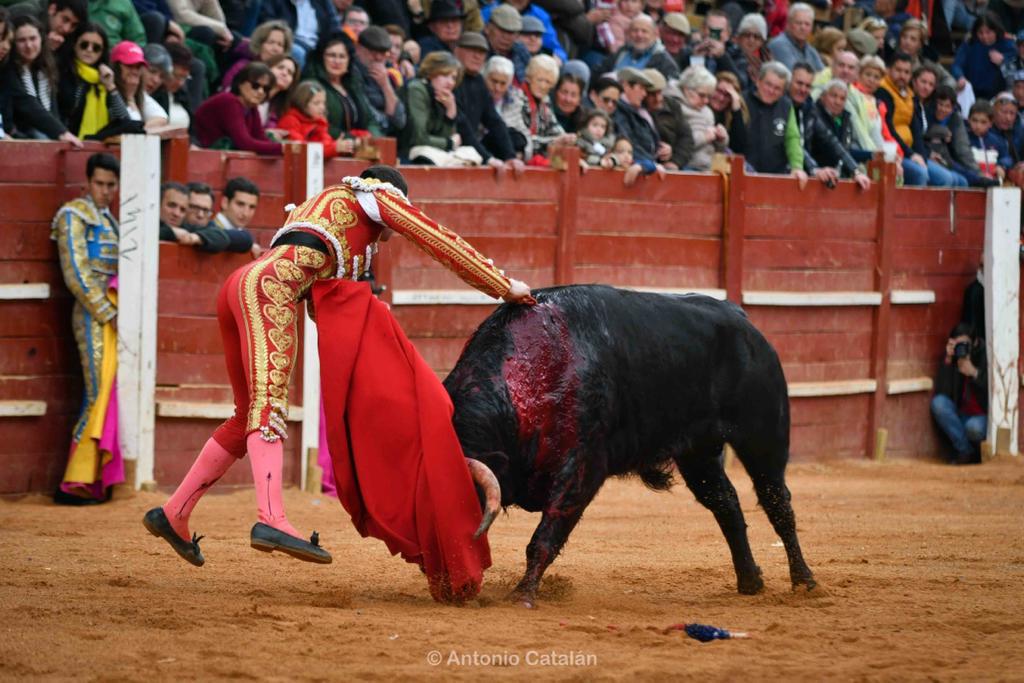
{"x":268,"y":539}
{"x":157,"y":524}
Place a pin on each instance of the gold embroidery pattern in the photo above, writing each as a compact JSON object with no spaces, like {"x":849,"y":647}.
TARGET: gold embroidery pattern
{"x":269,"y":293}
{"x":445,"y":247}
{"x":342,"y":217}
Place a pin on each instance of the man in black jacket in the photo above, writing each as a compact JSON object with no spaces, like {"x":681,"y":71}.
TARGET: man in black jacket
{"x":826,"y":156}
{"x":630,"y":123}
{"x":773,"y":140}
{"x":960,"y":403}
{"x":479,"y":123}
{"x":676,"y":147}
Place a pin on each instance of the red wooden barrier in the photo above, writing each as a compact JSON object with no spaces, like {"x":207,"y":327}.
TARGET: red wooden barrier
{"x":737,"y":234}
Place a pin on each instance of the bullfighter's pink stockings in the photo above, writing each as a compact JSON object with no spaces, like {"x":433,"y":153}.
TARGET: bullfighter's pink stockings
{"x":212,"y":463}
{"x":267,"y":461}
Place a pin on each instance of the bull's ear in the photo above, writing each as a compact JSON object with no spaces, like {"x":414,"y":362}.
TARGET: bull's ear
{"x":496,"y":461}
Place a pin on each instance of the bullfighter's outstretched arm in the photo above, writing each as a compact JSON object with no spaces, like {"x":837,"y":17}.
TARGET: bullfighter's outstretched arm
{"x":442,"y":244}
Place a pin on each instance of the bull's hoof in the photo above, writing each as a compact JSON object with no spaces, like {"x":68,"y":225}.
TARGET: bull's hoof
{"x":809,"y":586}
{"x":524,"y":598}
{"x":750,"y":586}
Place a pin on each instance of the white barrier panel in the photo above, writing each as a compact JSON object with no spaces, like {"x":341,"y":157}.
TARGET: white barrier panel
{"x":138,"y":270}
{"x":1002,"y":311}
{"x":310,"y":353}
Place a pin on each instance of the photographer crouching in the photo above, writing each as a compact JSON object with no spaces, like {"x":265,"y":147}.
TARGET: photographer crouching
{"x":960,"y":403}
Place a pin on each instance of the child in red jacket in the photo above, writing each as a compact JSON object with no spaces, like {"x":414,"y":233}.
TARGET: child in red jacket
{"x":306,"y":120}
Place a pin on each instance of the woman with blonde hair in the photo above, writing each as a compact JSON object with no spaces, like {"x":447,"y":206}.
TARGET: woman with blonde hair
{"x":269,"y":39}
{"x":432,"y":110}
{"x":545,"y":131}
{"x":829,"y":41}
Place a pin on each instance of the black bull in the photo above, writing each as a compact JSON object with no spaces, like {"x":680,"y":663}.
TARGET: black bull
{"x":594,"y":382}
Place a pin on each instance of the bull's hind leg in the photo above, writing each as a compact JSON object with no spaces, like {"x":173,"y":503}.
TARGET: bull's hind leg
{"x":767,"y":471}
{"x":705,"y":476}
{"x":572,"y":490}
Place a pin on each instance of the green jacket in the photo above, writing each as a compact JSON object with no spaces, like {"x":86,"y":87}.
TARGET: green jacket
{"x":335,"y":110}
{"x":120,"y":19}
{"x":427,"y":123}
{"x":794,"y":145}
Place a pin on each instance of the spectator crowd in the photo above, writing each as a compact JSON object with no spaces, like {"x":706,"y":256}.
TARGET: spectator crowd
{"x":807,"y":90}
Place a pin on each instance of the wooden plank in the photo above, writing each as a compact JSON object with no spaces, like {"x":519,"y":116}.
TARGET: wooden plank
{"x":912,"y":296}
{"x":1002,"y":316}
{"x":700,"y":276}
{"x":22,"y":408}
{"x":820,"y":347}
{"x":691,"y":188}
{"x":925,"y":260}
{"x":664,"y":250}
{"x":881,"y":320}
{"x":910,"y":201}
{"x":480,"y":183}
{"x":36,"y":162}
{"x":61,"y":393}
{"x":781,"y":192}
{"x":37,"y":356}
{"x":733,"y":265}
{"x":634,"y":218}
{"x":29,"y":203}
{"x":777,"y":298}
{"x":909,"y":385}
{"x":803,"y":254}
{"x":811,"y":223}
{"x":436,"y":277}
{"x":772,"y":320}
{"x":205,"y":410}
{"x":803,"y":371}
{"x":27,"y":471}
{"x":506,"y":251}
{"x":451,"y":297}
{"x":505,"y":218}
{"x":28,"y":290}
{"x":834,"y":388}
{"x":188,"y":334}
{"x":803,"y":279}
{"x":28,"y":241}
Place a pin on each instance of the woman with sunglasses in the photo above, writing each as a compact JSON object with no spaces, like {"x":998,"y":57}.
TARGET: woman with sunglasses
{"x":29,"y":79}
{"x":87,"y":96}
{"x":129,"y":62}
{"x":231,"y":120}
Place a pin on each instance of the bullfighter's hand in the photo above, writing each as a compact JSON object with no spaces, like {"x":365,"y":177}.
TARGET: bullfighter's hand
{"x":519,"y":293}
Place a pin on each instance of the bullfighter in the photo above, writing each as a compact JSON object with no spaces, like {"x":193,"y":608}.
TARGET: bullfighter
{"x":400,"y":472}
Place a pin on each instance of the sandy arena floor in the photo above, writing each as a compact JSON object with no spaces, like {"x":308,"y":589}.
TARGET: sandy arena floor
{"x":922,"y":568}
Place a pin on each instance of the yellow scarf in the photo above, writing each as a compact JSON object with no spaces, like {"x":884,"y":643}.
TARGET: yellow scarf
{"x":95,"y":115}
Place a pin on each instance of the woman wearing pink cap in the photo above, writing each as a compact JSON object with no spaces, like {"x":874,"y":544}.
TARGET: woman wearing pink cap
{"x":129,"y":61}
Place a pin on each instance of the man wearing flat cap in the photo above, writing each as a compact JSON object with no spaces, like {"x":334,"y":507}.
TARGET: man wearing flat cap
{"x":445,"y":25}
{"x":479,"y":124}
{"x":527,"y":8}
{"x":674,"y":30}
{"x":386,"y":110}
{"x":502,"y":29}
{"x":631,"y":122}
{"x":675,"y":148}
{"x":532,"y":35}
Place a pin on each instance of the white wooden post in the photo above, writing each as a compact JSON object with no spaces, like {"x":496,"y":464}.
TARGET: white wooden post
{"x":310,"y":352}
{"x":1002,"y":308}
{"x":138,"y":271}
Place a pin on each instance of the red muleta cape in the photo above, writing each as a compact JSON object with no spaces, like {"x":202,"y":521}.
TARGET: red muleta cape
{"x":398,"y":464}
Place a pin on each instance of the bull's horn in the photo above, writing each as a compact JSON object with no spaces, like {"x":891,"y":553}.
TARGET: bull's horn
{"x":486,"y":480}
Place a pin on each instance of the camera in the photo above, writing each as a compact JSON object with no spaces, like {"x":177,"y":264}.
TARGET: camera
{"x":715,"y":33}
{"x":961,"y":350}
